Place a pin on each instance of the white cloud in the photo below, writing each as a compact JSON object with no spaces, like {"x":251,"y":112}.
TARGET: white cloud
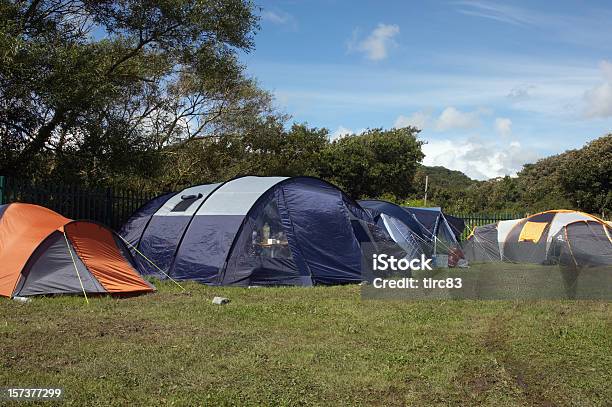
{"x":520,"y":92}
{"x":478,"y":159}
{"x":375,"y":46}
{"x":279,"y":17}
{"x":497,"y":12}
{"x":599,"y":99}
{"x":340,"y":132}
{"x":451,"y":119}
{"x":503,"y":126}
{"x":417,"y":119}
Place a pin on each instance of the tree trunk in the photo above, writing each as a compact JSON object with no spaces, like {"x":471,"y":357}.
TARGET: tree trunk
{"x":43,"y":135}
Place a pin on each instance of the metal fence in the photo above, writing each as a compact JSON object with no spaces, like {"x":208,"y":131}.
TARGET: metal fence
{"x":476,"y":219}
{"x":110,"y":206}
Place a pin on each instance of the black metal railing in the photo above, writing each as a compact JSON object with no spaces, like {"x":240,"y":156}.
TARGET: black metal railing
{"x":479,"y":219}
{"x":110,"y":206}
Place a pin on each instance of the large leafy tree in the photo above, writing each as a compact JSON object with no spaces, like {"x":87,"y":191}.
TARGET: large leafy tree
{"x":90,"y":85}
{"x":374,"y":163}
{"x":370,"y":164}
{"x":585,"y":176}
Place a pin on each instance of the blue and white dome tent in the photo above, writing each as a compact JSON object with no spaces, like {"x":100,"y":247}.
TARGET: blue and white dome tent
{"x":254,"y":231}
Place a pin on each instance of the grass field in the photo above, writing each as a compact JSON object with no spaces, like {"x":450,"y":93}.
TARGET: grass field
{"x":300,"y":346}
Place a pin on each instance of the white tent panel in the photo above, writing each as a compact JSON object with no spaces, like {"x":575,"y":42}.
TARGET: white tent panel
{"x":205,"y":190}
{"x":393,"y":232}
{"x":503,"y":228}
{"x":236,"y":197}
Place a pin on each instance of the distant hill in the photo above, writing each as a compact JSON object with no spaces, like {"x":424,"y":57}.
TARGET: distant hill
{"x":442,"y":177}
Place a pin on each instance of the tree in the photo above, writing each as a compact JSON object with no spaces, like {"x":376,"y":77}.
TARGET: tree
{"x":267,"y":149}
{"x":287,"y":153}
{"x":90,"y":79}
{"x":374,"y":163}
{"x":585,"y":176}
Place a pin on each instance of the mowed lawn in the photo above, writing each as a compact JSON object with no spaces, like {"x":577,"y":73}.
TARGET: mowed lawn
{"x":300,"y":346}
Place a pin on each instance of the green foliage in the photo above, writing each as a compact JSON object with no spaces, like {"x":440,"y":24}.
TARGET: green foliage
{"x":362,"y":164}
{"x":287,"y":153}
{"x":585,"y":176}
{"x":576,"y":179}
{"x":441,"y":178}
{"x":268,"y":149}
{"x":375,"y":162}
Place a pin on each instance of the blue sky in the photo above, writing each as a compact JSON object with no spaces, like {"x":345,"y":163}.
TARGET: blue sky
{"x":493,"y":85}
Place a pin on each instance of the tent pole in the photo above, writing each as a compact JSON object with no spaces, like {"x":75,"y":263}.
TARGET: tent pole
{"x":153,"y":264}
{"x":435,"y":245}
{"x":76,"y":268}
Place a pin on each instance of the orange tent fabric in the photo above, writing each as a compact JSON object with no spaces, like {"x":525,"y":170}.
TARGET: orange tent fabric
{"x":22,"y":228}
{"x":96,"y":246}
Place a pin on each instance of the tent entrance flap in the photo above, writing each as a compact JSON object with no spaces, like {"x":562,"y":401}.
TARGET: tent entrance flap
{"x":262,"y":253}
{"x":51,"y":270}
{"x":322,"y":231}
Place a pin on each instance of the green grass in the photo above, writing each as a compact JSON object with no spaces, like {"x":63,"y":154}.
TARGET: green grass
{"x":292,"y":346}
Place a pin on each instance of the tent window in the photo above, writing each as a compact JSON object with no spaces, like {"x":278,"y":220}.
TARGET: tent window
{"x":268,"y":237}
{"x":532,"y":231}
{"x":186,"y":202}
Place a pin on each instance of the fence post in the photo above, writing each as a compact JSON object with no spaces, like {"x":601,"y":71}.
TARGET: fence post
{"x":2,"y":186}
{"x":108,"y":208}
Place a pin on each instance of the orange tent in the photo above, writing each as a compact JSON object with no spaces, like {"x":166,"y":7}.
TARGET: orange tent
{"x":41,"y":252}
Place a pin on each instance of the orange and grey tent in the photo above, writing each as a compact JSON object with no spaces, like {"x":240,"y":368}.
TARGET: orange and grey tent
{"x":42,"y":252}
{"x":553,"y":237}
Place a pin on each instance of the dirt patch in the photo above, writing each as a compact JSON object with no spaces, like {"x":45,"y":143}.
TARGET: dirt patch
{"x":495,"y":342}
